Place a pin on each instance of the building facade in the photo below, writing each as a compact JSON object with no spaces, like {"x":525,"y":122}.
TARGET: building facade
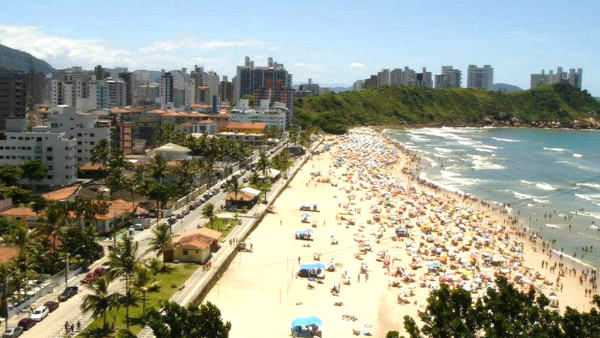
{"x":13,"y":96}
{"x":573,"y":77}
{"x":273,"y":115}
{"x":165,"y":92}
{"x":54,"y":149}
{"x":480,"y":78}
{"x":450,"y":78}
{"x":249,"y":78}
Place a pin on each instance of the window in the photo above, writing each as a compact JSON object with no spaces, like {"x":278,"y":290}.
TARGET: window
{"x":48,"y":148}
{"x":92,"y":135}
{"x":49,"y":177}
{"x":78,"y":134}
{"x":185,"y":252}
{"x":39,"y":139}
{"x":48,"y":158}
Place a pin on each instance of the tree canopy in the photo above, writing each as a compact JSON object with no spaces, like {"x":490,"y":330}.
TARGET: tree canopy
{"x":175,"y":321}
{"x":501,"y":312}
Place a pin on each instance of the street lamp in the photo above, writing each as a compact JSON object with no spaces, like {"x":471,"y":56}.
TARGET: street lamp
{"x":67,"y":266}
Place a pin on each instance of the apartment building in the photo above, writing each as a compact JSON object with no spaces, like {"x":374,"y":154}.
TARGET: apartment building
{"x":481,"y":78}
{"x":573,"y":77}
{"x":272,"y":115}
{"x":55,"y":149}
{"x":13,"y":96}
{"x":87,"y":129}
{"x":450,"y":78}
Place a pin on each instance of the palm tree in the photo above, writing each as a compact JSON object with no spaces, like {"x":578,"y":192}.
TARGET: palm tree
{"x":101,"y":153}
{"x":19,"y":235}
{"x":144,"y":281}
{"x":87,"y":209}
{"x":23,"y":267}
{"x":123,"y":263}
{"x":154,"y":265}
{"x":56,"y":217}
{"x":160,"y":242}
{"x":208,"y":211}
{"x":100,"y":301}
{"x":115,"y":180}
{"x":233,"y":186}
{"x":263,"y":163}
{"x":116,"y":158}
{"x":158,"y":168}
{"x":135,"y":184}
{"x":185,"y":174}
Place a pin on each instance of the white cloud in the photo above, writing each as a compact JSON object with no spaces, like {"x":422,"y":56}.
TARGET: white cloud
{"x":63,"y":52}
{"x":356,"y":65}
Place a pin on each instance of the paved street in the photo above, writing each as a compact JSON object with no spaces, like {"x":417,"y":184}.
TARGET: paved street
{"x":53,"y":325}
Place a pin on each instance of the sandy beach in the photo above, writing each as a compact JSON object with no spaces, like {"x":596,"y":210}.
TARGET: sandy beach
{"x":364,"y":191}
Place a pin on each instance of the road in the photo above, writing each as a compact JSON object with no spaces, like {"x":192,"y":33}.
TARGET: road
{"x":53,"y":325}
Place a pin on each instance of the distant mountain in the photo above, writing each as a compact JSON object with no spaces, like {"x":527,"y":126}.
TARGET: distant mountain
{"x":341,"y":89}
{"x":15,"y":59}
{"x":597,"y":98}
{"x":504,"y":87}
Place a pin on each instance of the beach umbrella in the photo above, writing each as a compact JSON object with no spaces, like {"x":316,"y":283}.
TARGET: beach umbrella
{"x":305,"y":215}
{"x":553,"y":297}
{"x":335,"y":283}
{"x":368,"y":326}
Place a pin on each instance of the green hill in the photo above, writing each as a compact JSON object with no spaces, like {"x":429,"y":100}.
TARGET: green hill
{"x":15,"y":59}
{"x":395,"y":105}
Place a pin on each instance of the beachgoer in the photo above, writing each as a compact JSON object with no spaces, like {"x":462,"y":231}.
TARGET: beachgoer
{"x":298,"y":259}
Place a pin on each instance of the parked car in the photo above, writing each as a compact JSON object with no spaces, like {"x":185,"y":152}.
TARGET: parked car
{"x":89,"y":278}
{"x":245,"y":179}
{"x":138,"y":227}
{"x":180,"y":216}
{"x":51,"y":305}
{"x":194,"y":206}
{"x":40,"y":313}
{"x":12,"y":332}
{"x":68,"y":293}
{"x":26,"y":323}
{"x":172,"y":221}
{"x":100,"y":271}
{"x":185,"y":212}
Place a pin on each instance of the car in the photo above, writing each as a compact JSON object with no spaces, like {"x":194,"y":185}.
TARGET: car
{"x":245,"y":179}
{"x":193,"y":206}
{"x":89,"y":278}
{"x":68,"y":293}
{"x":26,"y":323}
{"x":14,"y":331}
{"x":172,"y":221}
{"x":180,"y":216}
{"x":100,"y":271}
{"x":185,"y":212}
{"x":51,"y":305}
{"x":40,"y":313}
{"x":138,"y":227}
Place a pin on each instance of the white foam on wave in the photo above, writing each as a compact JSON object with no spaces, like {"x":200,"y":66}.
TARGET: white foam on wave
{"x":556,"y":149}
{"x":431,"y":161}
{"x":466,"y":143}
{"x":523,"y":196}
{"x":423,"y":176}
{"x":594,"y":227}
{"x":590,"y":185}
{"x":579,"y":261}
{"x":594,"y":198}
{"x":588,"y":236}
{"x":553,"y":226}
{"x":455,"y":177}
{"x":443,"y":150}
{"x":505,"y":139}
{"x":483,"y":165}
{"x":487,"y":146}
{"x":438,"y":155}
{"x":577,"y":155}
{"x":484,"y":150}
{"x":545,"y":186}
{"x":526,"y":182}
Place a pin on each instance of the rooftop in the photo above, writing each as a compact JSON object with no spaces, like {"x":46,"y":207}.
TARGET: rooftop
{"x":246,"y":125}
{"x":198,"y":238}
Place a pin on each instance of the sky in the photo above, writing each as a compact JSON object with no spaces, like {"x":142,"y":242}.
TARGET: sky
{"x":333,"y":42}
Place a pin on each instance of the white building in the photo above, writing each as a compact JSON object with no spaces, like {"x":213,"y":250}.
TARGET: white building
{"x":573,"y":77}
{"x":73,"y":84}
{"x":450,"y":78}
{"x":147,"y":93}
{"x":482,"y":78}
{"x":211,"y":80}
{"x":274,"y":116}
{"x":358,"y":85}
{"x":383,"y":77}
{"x":56,"y":150}
{"x":85,"y":128}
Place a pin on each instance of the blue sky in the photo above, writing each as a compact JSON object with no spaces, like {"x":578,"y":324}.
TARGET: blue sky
{"x":334,"y":42}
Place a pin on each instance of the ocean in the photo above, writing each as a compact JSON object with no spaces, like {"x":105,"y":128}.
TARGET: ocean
{"x":550,"y":178}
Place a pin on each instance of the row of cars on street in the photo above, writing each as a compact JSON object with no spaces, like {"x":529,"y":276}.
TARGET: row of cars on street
{"x":40,"y":313}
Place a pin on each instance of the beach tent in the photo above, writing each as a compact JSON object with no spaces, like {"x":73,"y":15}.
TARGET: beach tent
{"x":304,"y":321}
{"x":312,"y":266}
{"x":304,"y":232}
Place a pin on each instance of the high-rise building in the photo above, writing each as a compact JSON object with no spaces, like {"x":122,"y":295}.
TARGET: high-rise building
{"x":308,"y":89}
{"x":358,"y":85}
{"x":396,"y":77}
{"x":278,"y":94}
{"x":248,"y":78}
{"x":165,"y":94}
{"x":450,"y":78}
{"x":370,"y":82}
{"x":129,"y":82}
{"x":423,"y":79}
{"x":383,"y":77}
{"x":74,"y":86}
{"x":482,"y":78}
{"x":86,"y":128}
{"x":13,"y":96}
{"x":148,"y":93}
{"x":225,"y":90}
{"x":54,"y":149}
{"x":100,"y":73}
{"x":211,"y":81}
{"x":36,"y":85}
{"x":573,"y":77}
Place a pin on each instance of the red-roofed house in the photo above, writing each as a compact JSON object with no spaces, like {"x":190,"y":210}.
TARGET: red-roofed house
{"x":194,"y":246}
{"x":250,"y":132}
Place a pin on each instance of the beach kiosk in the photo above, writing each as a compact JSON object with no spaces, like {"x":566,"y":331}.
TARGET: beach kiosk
{"x":305,"y":235}
{"x":311,"y":270}
{"x":307,"y":327}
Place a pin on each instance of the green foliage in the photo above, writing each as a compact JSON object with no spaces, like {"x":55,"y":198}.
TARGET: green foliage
{"x":175,"y":321}
{"x":250,"y":99}
{"x":392,"y":105}
{"x":10,"y":175}
{"x":505,"y":312}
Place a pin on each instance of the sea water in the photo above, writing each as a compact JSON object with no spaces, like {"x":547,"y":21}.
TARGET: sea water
{"x":549,"y":178}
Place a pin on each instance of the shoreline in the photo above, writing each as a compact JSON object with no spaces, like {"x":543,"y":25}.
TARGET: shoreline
{"x":267,"y":276}
{"x":572,"y":262}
